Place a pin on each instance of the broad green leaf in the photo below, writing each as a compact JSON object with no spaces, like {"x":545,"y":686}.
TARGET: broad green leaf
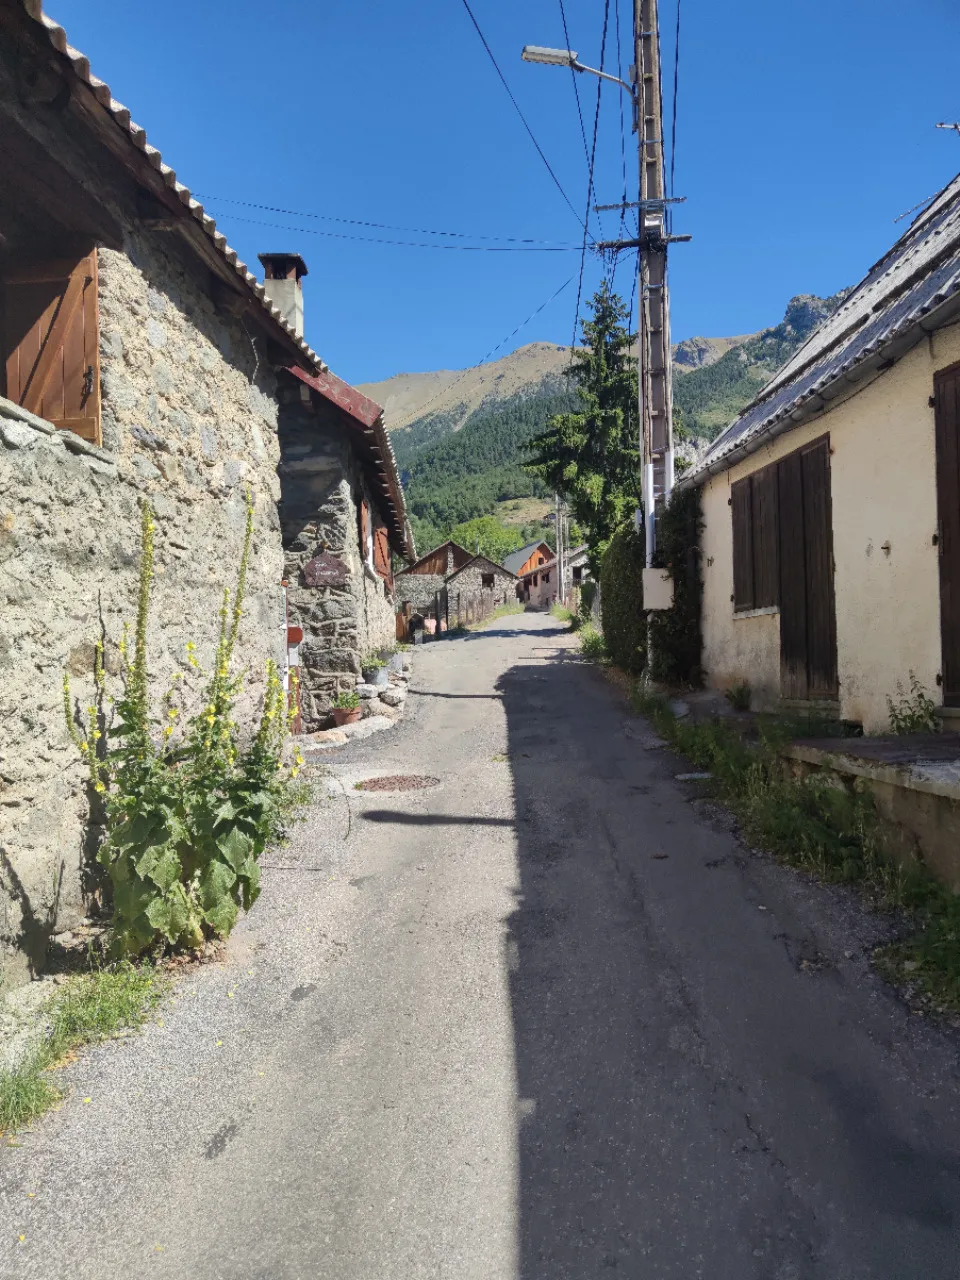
{"x":215,"y":884}
{"x":223,"y":916}
{"x":235,"y":847}
{"x":165,"y":870}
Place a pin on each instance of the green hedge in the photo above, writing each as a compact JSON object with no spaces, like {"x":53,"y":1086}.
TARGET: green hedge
{"x":621,"y":600}
{"x":676,"y":637}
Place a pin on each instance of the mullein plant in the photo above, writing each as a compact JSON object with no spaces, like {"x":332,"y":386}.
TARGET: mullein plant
{"x":189,"y":806}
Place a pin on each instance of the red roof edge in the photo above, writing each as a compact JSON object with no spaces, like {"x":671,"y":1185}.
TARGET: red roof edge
{"x":340,"y":393}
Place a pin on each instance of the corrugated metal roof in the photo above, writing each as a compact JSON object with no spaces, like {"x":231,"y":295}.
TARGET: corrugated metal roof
{"x":138,"y":140}
{"x":516,"y":559}
{"x":920,"y":273}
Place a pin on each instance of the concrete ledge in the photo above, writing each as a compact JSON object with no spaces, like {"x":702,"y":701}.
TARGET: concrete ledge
{"x":918,"y":803}
{"x":17,"y":424}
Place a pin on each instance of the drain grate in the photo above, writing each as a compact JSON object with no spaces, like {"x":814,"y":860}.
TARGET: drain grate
{"x":398,"y":782}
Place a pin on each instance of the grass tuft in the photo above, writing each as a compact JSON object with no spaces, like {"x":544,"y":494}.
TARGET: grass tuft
{"x":593,"y":647}
{"x":88,"y":1008}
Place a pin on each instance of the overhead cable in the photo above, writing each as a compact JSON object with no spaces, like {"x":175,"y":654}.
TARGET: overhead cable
{"x":576,"y":87}
{"x":673,"y":132}
{"x":409,"y":244}
{"x":516,"y":105}
{"x":418,"y":413}
{"x":380,"y":226}
{"x":593,"y":159}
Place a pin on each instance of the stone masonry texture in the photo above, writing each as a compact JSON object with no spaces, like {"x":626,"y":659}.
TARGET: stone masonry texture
{"x":322,"y":488}
{"x":189,"y":422}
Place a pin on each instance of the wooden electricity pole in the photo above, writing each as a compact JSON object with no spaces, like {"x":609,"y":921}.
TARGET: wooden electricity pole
{"x":655,"y":365}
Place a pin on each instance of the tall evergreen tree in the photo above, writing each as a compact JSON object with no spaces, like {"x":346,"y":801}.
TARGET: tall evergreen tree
{"x":592,"y":455}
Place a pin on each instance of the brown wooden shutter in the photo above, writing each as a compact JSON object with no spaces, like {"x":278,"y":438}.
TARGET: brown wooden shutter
{"x":818,"y":545}
{"x":766,"y":553}
{"x":741,"y":501}
{"x":51,"y":342}
{"x":381,"y":552}
{"x":364,"y":528}
{"x":948,"y":527}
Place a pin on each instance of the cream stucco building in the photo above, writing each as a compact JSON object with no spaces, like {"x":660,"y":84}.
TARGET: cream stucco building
{"x":831,"y":506}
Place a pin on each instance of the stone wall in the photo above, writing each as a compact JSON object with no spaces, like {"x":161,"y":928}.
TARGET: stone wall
{"x":321,"y":487}
{"x":189,"y":421}
{"x":418,"y":589}
{"x":469,"y":584}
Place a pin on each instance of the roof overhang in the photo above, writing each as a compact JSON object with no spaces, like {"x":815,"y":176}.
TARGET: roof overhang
{"x":834,"y":389}
{"x":372,"y":444}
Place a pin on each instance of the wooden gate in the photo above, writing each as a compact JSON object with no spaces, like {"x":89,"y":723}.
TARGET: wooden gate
{"x":808,"y":626}
{"x":947,"y":399}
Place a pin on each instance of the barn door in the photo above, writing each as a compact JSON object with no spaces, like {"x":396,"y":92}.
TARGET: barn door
{"x":51,"y":343}
{"x":947,"y":399}
{"x":808,"y":627}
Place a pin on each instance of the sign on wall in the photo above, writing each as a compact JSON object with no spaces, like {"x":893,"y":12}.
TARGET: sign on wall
{"x":325,"y":570}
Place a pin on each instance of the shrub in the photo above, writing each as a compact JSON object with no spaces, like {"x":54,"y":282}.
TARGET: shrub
{"x":188,"y":813}
{"x":739,"y":696}
{"x":621,"y":599}
{"x":913,"y":712}
{"x":347,"y":701}
{"x":675,"y":633}
{"x":588,"y":594}
{"x":593,"y":646}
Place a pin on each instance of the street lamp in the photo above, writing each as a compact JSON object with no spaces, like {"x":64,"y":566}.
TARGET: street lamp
{"x":568,"y":58}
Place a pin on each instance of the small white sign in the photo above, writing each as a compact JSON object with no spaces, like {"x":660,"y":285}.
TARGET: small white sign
{"x":657,"y":589}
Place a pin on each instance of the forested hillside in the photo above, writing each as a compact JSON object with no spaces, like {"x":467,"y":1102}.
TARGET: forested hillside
{"x":466,"y":456}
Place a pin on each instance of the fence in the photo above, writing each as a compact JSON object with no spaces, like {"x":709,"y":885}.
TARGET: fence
{"x":450,"y":611}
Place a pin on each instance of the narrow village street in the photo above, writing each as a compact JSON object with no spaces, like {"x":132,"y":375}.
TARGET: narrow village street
{"x":547,"y":1019}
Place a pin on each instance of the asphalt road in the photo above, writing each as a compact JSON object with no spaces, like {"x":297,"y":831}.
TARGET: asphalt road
{"x":546,"y":1020}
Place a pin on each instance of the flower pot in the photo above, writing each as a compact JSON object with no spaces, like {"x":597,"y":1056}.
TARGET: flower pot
{"x":375,"y":676}
{"x":345,"y":715}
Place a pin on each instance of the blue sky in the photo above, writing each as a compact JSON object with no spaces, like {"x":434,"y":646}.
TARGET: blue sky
{"x":804,"y":130}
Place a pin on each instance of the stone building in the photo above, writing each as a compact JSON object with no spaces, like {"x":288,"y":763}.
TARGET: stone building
{"x":482,"y":579}
{"x":141,"y":359}
{"x":425,"y":578}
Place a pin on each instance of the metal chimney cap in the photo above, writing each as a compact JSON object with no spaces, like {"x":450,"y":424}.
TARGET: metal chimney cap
{"x":282,"y":266}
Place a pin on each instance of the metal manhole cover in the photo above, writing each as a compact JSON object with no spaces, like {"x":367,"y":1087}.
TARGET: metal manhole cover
{"x":398,"y":782}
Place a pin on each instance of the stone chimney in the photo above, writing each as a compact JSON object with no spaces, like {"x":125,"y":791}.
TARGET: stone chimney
{"x":281,"y":281}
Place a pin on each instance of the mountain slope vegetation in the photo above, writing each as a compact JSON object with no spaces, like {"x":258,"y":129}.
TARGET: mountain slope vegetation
{"x":464,"y":455}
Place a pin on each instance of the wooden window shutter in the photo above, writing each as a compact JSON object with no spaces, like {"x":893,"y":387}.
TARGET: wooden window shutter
{"x":364,"y":528}
{"x":51,"y":342}
{"x":766,"y":549}
{"x":741,"y":495}
{"x":381,"y":552}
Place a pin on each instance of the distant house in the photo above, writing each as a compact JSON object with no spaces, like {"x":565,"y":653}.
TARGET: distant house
{"x":528,"y":557}
{"x":540,"y":585}
{"x":831,"y":505}
{"x":419,"y":584}
{"x":479,"y":578}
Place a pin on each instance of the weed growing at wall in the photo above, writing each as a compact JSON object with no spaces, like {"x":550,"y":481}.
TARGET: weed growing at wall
{"x":188,"y":809}
{"x":828,"y":830}
{"x":913,"y":712}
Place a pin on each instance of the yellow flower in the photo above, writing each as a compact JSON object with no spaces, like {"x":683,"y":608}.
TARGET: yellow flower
{"x":96,"y":734}
{"x":172,"y":713}
{"x":168,"y":731}
{"x":190,"y":646}
{"x":100,"y":788}
{"x":84,"y":746}
{"x":210,"y":719}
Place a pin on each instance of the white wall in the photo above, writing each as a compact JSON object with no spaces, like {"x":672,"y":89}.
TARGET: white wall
{"x":883,"y":480}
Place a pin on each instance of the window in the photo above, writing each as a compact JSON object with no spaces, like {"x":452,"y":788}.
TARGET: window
{"x":50,"y":341}
{"x":546,"y":578}
{"x":756,"y":560}
{"x":577,"y":574}
{"x":486,"y":581}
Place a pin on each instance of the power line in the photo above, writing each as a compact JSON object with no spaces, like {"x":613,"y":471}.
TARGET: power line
{"x":593,"y":159}
{"x":516,"y":105}
{"x":381,"y":226}
{"x":576,"y":87}
{"x":623,"y":148}
{"x":673,"y":132}
{"x":409,"y":244}
{"x":418,"y":412}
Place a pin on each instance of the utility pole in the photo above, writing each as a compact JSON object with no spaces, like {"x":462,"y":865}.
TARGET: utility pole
{"x":655,"y":367}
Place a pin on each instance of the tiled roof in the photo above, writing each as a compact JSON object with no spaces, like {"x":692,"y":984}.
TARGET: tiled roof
{"x":346,"y":397}
{"x":914,"y":288}
{"x":138,"y":142}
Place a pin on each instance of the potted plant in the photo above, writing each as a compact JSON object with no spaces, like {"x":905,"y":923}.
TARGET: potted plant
{"x":393,"y":659}
{"x":374,"y":671}
{"x":346,"y":708}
